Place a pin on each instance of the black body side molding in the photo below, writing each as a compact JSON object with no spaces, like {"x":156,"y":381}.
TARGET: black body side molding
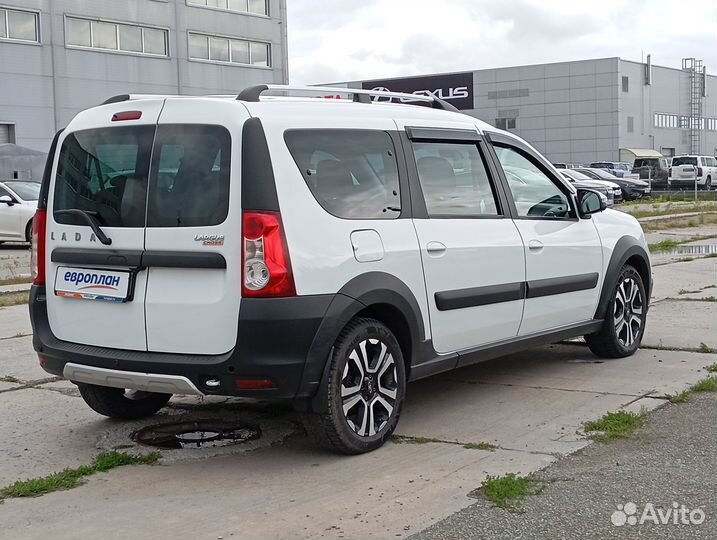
{"x":479,"y":296}
{"x":561,"y":285}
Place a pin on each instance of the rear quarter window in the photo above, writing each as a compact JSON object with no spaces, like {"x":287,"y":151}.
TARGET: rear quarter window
{"x":352,"y":174}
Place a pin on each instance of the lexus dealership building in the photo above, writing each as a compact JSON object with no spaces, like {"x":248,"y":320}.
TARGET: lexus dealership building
{"x":583,"y":111}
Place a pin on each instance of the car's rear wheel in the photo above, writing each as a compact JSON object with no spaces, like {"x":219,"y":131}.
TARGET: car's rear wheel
{"x":28,"y":232}
{"x":120,"y":403}
{"x":624,"y":325}
{"x":364,"y":391}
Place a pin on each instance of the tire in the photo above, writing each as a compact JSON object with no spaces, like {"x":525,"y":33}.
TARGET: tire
{"x":367,"y":368}
{"x":122,"y":404}
{"x":28,"y":232}
{"x":617,"y":338}
{"x":708,"y":183}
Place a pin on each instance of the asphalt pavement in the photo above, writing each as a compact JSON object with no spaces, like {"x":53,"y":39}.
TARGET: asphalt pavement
{"x":618,"y":490}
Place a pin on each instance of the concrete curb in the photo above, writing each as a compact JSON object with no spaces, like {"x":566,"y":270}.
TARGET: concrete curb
{"x":19,"y":287}
{"x":672,"y":217}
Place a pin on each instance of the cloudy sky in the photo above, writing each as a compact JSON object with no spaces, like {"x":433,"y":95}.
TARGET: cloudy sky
{"x":343,"y":40}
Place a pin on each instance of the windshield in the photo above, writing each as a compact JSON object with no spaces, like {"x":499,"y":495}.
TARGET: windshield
{"x":600,"y":173}
{"x":684,"y":161}
{"x":576,"y":176}
{"x":27,"y":191}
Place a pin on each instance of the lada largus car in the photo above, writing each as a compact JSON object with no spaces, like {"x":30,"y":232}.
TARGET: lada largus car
{"x":314,"y":251}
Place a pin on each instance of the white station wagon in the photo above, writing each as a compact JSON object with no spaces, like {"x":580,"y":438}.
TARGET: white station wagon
{"x":320,"y":252}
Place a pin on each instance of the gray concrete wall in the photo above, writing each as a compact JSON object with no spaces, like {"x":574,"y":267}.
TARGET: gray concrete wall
{"x":44,"y":85}
{"x":568,"y":110}
{"x":669,"y":93}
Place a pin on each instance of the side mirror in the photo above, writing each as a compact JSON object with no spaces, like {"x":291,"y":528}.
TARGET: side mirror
{"x":591,"y":202}
{"x":6,"y":199}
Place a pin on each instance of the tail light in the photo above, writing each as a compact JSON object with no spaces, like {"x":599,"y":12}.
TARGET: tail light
{"x":699,"y":171}
{"x":265,"y":257}
{"x":37,"y":255}
{"x":670,"y":171}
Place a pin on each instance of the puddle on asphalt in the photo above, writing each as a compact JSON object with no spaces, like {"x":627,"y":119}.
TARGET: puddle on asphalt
{"x":197,"y":434}
{"x":693,"y":250}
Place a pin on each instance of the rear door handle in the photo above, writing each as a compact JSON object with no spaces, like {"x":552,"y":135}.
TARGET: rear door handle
{"x":535,"y":245}
{"x":435,"y":248}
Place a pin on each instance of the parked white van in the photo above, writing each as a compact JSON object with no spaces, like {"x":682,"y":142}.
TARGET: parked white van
{"x":321,"y":252}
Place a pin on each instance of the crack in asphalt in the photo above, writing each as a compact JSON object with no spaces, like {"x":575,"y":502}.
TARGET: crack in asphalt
{"x":518,"y":385}
{"x":16,"y":336}
{"x":32,"y":384}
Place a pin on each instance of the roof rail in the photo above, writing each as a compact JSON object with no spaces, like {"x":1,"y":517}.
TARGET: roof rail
{"x":117,"y":99}
{"x":252,"y":94}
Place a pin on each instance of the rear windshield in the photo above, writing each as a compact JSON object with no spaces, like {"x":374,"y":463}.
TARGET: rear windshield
{"x":646,"y":162}
{"x":107,"y":171}
{"x":684,"y":161}
{"x":351,"y":173}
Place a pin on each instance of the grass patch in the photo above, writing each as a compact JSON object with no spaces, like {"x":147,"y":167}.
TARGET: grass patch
{"x":704,"y":348}
{"x":710,"y":255}
{"x":480,"y":446}
{"x":16,"y":280}
{"x":508,"y":490}
{"x":14,"y":298}
{"x":614,"y":425}
{"x":400,"y":439}
{"x":712,"y":368}
{"x":69,"y":478}
{"x":664,"y":245}
{"x":708,"y":384}
{"x":10,"y":379}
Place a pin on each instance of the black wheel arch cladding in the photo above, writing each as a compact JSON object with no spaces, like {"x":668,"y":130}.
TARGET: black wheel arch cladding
{"x":372,"y":294}
{"x":628,"y":250}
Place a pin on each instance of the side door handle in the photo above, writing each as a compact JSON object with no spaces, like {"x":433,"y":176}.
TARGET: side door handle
{"x":535,"y":245}
{"x":435,"y":249}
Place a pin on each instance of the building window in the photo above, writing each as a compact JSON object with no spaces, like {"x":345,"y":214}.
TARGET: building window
{"x":234,"y":51}
{"x":505,"y":123}
{"x":666,"y":120}
{"x":630,"y":124}
{"x":111,"y":36}
{"x":711,"y":124}
{"x":255,"y":7}
{"x":18,"y":25}
{"x":625,"y":84}
{"x":7,"y":133}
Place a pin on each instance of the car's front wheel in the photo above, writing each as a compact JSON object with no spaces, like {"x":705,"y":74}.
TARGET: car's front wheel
{"x":120,"y":403}
{"x":624,"y":325}
{"x":364,"y":390}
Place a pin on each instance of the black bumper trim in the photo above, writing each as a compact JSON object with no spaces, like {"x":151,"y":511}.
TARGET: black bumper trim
{"x":275,"y":338}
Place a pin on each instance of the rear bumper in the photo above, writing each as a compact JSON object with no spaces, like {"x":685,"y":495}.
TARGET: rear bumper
{"x":687,"y":182}
{"x":286,"y":340}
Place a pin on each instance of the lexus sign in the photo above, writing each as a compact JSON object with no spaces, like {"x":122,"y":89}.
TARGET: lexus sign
{"x":454,"y":88}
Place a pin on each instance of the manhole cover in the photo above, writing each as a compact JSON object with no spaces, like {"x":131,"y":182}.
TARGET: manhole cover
{"x":199,"y":434}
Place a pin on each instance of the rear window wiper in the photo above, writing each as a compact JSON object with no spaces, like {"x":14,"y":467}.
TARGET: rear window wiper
{"x":92,"y":219}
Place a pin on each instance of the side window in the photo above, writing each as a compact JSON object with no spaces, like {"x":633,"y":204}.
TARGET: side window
{"x":454,"y":180}
{"x":534,"y":193}
{"x":189,"y":184}
{"x":4,"y":191}
{"x":352,"y":173}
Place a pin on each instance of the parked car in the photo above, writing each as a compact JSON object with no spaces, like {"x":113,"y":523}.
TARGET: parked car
{"x":318,"y":252}
{"x":610,"y":166}
{"x":631,"y":189}
{"x":653,"y":170}
{"x":686,"y":168}
{"x":18,"y":202}
{"x":611,"y":190}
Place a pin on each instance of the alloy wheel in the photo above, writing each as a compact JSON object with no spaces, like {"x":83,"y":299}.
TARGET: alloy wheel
{"x":629,"y":312}
{"x":369,"y":387}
